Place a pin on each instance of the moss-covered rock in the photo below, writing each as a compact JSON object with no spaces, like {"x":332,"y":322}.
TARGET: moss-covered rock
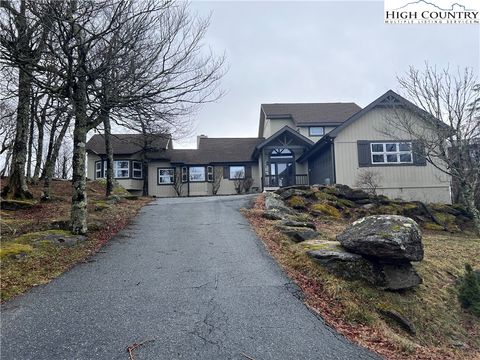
{"x":13,"y":249}
{"x":325,"y":209}
{"x":297,"y":202}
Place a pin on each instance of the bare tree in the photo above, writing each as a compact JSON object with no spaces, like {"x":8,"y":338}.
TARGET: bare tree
{"x":24,"y":29}
{"x":247,"y":184}
{"x":217,"y":179}
{"x":238,"y":181}
{"x":369,"y":180}
{"x":447,"y":136}
{"x":178,"y":181}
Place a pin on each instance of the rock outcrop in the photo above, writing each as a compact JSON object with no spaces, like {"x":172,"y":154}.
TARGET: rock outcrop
{"x":390,"y":237}
{"x":376,"y":249}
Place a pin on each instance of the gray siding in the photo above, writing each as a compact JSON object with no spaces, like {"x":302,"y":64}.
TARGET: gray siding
{"x":320,"y":167}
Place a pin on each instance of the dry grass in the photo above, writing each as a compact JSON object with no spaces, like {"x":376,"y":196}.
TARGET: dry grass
{"x":444,"y":330}
{"x":26,"y":262}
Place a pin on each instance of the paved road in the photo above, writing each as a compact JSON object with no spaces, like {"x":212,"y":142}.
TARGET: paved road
{"x":188,"y":274}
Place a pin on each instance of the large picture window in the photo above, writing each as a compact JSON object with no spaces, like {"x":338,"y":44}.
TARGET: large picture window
{"x":166,"y":176}
{"x":197,"y":173}
{"x":137,"y":171}
{"x":121,"y":169}
{"x":391,"y":153}
{"x":237,"y":172}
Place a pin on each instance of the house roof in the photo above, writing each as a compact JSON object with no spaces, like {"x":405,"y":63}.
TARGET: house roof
{"x":212,"y":150}
{"x":124,"y":144}
{"x":312,"y":113}
{"x":389,"y":99}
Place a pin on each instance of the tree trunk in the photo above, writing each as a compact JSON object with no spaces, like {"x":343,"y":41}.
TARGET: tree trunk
{"x":109,"y":151}
{"x":49,"y":167}
{"x":30,"y":138}
{"x":64,"y":168}
{"x":17,"y":184}
{"x":468,"y":199}
{"x":39,"y":157}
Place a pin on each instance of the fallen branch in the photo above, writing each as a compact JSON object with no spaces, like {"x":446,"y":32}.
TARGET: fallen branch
{"x":248,"y":357}
{"x":135,"y":346}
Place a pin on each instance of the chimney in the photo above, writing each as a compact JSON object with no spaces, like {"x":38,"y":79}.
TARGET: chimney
{"x":198,"y":139}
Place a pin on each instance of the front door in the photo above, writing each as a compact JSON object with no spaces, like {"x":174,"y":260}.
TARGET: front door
{"x":282,"y":174}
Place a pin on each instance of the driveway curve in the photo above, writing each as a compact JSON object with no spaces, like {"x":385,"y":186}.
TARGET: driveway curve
{"x":190,"y":279}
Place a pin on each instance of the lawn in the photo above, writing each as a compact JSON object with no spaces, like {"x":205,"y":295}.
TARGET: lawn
{"x":443,"y":329}
{"x":28,"y":260}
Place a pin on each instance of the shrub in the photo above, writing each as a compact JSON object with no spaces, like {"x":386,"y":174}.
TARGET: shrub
{"x":326,"y":210}
{"x":469,"y":291}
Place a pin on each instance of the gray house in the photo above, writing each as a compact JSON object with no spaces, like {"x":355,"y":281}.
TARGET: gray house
{"x":297,"y":144}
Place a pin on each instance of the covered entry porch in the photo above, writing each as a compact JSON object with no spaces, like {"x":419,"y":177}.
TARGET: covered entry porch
{"x":277,"y":157}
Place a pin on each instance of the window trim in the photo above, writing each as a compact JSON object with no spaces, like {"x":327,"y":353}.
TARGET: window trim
{"x":115,"y":169}
{"x":319,"y":127}
{"x":230,"y":172}
{"x":398,"y":153}
{"x":158,"y":175}
{"x":184,"y":174}
{"x":204,"y":174}
{"x":98,"y":162}
{"x":209,"y":173}
{"x":133,"y":169}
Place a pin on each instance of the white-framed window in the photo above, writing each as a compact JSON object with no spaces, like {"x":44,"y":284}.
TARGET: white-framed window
{"x":209,"y":173}
{"x":166,"y":176}
{"x":98,"y":170}
{"x":105,"y":168}
{"x":391,"y":153}
{"x":197,"y":173}
{"x":121,"y":169}
{"x":184,"y":174}
{"x":316,"y":130}
{"x":137,"y":170}
{"x":237,"y":172}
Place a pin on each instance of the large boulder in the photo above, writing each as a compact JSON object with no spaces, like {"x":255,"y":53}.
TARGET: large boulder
{"x":386,"y":237}
{"x":274,"y":203}
{"x":387,"y":276}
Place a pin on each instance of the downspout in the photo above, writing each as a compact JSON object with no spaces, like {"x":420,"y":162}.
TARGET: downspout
{"x":333,"y":161}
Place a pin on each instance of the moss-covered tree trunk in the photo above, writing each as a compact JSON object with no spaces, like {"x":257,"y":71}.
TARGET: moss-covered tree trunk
{"x":17,"y":183}
{"x":109,"y":151}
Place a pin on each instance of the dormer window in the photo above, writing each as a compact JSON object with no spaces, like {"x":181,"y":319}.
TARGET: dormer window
{"x":316,"y":130}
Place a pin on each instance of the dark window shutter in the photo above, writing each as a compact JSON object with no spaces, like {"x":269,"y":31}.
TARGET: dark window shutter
{"x":364,"y":158}
{"x":418,"y":151}
{"x":226,"y":172}
{"x":248,"y":171}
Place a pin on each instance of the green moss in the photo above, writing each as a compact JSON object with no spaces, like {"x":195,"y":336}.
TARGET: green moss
{"x":345,"y":202}
{"x":432,"y":226}
{"x":31,"y":237}
{"x":326,"y":210}
{"x":12,"y":249}
{"x":296,"y":202}
{"x":320,"y":195}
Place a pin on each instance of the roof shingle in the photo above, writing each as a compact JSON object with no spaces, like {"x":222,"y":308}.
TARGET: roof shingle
{"x":312,"y":113}
{"x":124,"y":144}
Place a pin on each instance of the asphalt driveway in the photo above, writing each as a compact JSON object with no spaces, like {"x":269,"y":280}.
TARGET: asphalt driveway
{"x":188,"y":276}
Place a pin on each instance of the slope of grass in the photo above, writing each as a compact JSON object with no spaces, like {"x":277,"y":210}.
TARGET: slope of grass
{"x":28,"y":261}
{"x":443,"y":329}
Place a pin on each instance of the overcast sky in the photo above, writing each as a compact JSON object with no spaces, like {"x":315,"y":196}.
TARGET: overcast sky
{"x":322,"y":51}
